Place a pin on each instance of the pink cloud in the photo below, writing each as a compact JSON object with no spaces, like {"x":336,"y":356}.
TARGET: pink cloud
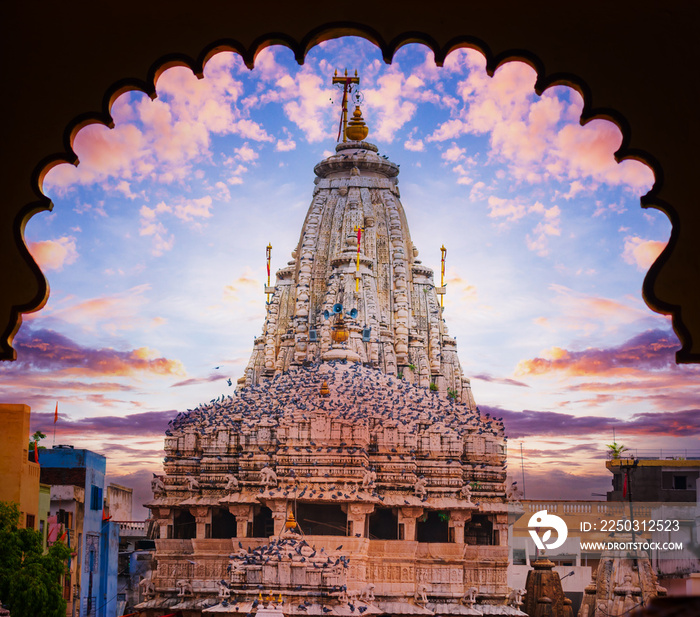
{"x":586,"y":313}
{"x":47,"y":350}
{"x":652,"y":350}
{"x":112,"y":313}
{"x":538,"y":137}
{"x":529,"y":423}
{"x":54,"y":254}
{"x":641,"y":253}
{"x":160,"y":139}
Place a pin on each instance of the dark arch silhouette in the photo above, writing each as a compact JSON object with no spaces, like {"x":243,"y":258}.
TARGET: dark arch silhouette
{"x":300,"y":43}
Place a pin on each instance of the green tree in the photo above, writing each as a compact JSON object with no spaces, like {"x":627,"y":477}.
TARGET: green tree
{"x":36,"y":438}
{"x":30,"y":580}
{"x":616,"y":450}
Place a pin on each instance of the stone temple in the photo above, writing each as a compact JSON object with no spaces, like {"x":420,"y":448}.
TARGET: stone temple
{"x":351,"y":473}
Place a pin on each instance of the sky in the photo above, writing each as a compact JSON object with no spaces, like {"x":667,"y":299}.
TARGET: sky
{"x":155,"y":256}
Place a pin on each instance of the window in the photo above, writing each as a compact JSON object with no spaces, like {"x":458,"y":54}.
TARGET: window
{"x":96,"y":498}
{"x":680,"y":483}
{"x":65,"y":518}
{"x":617,"y":482}
{"x":30,"y":521}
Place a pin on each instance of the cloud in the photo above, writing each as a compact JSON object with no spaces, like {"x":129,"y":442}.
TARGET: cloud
{"x":186,"y":210}
{"x":508,"y":209}
{"x":454,"y":153}
{"x":641,"y":253}
{"x":159,"y":140}
{"x":502,"y":380}
{"x":245,"y":153}
{"x":285,"y":145}
{"x":550,"y":226}
{"x":529,"y":423}
{"x":142,"y":424}
{"x":117,"y":312}
{"x":54,"y":254}
{"x":538,"y":137}
{"x":415,"y":145}
{"x":194,"y":381}
{"x":140,"y":481}
{"x":47,"y":350}
{"x":650,"y":350}
{"x":544,"y":481}
{"x":586,"y":313}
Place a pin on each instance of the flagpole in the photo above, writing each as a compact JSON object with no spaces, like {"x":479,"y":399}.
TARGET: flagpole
{"x":55,"y":419}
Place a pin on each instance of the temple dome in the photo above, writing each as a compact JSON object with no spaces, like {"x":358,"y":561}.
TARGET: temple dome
{"x":360,"y":155}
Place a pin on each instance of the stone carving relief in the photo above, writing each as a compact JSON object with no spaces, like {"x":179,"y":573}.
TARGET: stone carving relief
{"x":419,"y":488}
{"x":420,"y":596}
{"x":268,"y":477}
{"x":184,"y":588}
{"x":231,"y":483}
{"x":157,"y":485}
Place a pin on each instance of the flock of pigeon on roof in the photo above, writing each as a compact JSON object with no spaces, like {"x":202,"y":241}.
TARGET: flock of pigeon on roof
{"x":358,"y":395}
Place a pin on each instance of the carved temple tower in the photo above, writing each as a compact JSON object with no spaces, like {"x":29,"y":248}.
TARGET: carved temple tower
{"x":351,"y":472}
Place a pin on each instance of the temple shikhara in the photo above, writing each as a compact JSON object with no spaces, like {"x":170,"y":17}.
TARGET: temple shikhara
{"x":352,"y":472}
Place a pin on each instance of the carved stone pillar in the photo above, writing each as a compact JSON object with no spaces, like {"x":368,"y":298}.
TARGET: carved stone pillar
{"x":279,"y":514}
{"x":357,"y":517}
{"x":407,"y":518}
{"x":501,"y":526}
{"x":202,"y":515}
{"x":165,"y":520}
{"x":244,"y":515}
{"x":456,"y":522}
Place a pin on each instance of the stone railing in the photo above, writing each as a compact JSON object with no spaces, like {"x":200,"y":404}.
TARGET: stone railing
{"x":132,"y":528}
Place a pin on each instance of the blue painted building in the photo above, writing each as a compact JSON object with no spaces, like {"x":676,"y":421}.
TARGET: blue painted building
{"x":77,"y":480}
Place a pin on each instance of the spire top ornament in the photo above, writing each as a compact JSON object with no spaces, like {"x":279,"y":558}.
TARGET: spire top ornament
{"x":356,"y":129}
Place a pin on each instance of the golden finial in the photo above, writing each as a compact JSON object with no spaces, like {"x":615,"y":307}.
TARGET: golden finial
{"x":324,"y":389}
{"x":357,"y":129}
{"x":348,"y":84}
{"x":291,"y":522}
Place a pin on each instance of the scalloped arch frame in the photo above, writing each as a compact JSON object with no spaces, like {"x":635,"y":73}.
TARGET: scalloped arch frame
{"x":300,"y":48}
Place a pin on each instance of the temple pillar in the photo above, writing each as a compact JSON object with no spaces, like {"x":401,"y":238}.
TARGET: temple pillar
{"x":407,"y":518}
{"x":244,"y":515}
{"x":279,"y":514}
{"x":456,"y":523}
{"x":357,"y":517}
{"x":501,"y":527}
{"x":202,"y":515}
{"x":165,"y":521}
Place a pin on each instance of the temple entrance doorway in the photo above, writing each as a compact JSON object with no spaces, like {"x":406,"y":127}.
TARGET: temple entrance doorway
{"x":320,"y":519}
{"x":432,"y":527}
{"x":184,"y":525}
{"x":223,"y":524}
{"x":479,"y":530}
{"x":263,"y":523}
{"x":383,"y":524}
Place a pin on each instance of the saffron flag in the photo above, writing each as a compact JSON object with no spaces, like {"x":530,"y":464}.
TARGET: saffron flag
{"x":624,"y":487}
{"x":55,"y":414}
{"x":36,"y":452}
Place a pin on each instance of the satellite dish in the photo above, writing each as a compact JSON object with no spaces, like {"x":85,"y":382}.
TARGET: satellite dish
{"x":353,"y":313}
{"x":337,"y":308}
{"x":326,"y":314}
